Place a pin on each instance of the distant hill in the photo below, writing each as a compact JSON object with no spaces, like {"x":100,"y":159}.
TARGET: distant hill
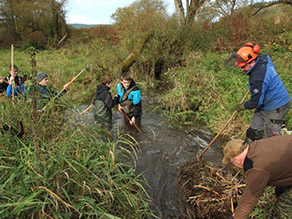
{"x":78,"y":26}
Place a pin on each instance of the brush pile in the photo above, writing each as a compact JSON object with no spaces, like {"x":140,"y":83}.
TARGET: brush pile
{"x":209,"y":192}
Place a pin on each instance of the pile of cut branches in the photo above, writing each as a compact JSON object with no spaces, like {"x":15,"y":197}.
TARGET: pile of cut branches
{"x":209,"y":192}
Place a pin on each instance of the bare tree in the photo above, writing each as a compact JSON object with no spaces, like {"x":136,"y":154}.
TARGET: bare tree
{"x":264,"y":5}
{"x":187,"y":14}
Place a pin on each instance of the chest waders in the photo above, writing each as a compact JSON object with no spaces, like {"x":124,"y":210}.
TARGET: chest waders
{"x":101,"y":112}
{"x":127,"y":104}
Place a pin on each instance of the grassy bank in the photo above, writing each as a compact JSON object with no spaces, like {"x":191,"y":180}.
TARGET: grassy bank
{"x":206,"y":91}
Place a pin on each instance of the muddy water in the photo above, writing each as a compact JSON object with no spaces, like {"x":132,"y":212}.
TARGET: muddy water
{"x":161,"y":150}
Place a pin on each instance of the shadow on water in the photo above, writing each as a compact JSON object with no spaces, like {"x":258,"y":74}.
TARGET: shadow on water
{"x":161,"y":150}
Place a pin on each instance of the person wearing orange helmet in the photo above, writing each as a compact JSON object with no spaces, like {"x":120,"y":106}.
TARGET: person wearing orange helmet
{"x":269,"y":97}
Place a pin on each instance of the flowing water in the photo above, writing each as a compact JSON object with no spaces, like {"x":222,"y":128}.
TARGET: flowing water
{"x":161,"y":150}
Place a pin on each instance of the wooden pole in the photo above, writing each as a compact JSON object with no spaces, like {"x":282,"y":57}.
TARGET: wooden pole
{"x":88,"y":108}
{"x":73,"y":79}
{"x":222,"y":129}
{"x":12,"y":69}
{"x":127,"y":117}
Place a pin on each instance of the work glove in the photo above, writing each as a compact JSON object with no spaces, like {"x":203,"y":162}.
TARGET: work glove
{"x":239,"y":107}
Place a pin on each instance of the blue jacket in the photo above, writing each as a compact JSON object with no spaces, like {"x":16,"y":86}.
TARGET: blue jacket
{"x":267,"y":90}
{"x":17,"y":90}
{"x":134,"y":96}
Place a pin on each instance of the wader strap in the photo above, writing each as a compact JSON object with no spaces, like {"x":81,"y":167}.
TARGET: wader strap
{"x":126,"y":94}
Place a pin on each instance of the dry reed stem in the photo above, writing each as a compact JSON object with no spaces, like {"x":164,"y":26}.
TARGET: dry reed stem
{"x":33,"y":170}
{"x":206,"y":188}
{"x":56,"y":196}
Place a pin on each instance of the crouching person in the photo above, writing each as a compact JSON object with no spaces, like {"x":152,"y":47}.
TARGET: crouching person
{"x":19,"y":88}
{"x":265,"y":163}
{"x":130,"y":99}
{"x":103,"y":102}
{"x":45,"y":93}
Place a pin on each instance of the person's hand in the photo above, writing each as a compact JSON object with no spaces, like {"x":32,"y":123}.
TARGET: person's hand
{"x":116,"y":95}
{"x":239,"y":107}
{"x":1,"y":80}
{"x":132,"y":121}
{"x":66,"y":86}
{"x":120,"y":107}
{"x":11,"y":79}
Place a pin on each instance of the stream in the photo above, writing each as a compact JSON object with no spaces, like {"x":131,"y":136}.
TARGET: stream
{"x":162,"y":149}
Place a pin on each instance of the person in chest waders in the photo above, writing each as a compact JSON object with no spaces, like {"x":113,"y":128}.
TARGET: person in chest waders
{"x":269,"y":97}
{"x":103,"y":102}
{"x":130,"y":99}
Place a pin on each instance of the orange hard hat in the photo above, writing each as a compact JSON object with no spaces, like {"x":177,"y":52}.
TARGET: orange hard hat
{"x":246,"y":54}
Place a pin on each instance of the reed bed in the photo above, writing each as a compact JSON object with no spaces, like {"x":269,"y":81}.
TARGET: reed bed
{"x":55,"y":170}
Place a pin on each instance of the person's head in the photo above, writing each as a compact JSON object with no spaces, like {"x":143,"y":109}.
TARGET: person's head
{"x":107,"y":81}
{"x":42,"y":78}
{"x":15,"y":70}
{"x":126,"y":80}
{"x":246,"y":56}
{"x":232,"y":151}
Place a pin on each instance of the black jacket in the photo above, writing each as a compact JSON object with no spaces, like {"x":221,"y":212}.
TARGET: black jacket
{"x":103,"y":94}
{"x":4,"y":84}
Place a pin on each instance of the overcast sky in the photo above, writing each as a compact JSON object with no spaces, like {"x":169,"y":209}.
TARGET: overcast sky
{"x":99,"y":11}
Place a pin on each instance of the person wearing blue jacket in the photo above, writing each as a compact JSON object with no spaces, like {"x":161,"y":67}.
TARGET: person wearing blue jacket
{"x":130,"y":99}
{"x":44,"y":93}
{"x":18,"y":86}
{"x":269,"y":97}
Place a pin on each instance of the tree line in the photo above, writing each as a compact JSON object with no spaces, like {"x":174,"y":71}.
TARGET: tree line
{"x":35,"y":21}
{"x":42,"y":22}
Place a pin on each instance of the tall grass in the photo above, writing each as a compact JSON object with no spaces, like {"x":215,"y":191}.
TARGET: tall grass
{"x":68,"y":171}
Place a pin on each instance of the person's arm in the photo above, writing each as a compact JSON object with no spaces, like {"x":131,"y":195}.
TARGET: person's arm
{"x":110,"y":103}
{"x":3,"y":84}
{"x":137,"y":103}
{"x":9,"y":88}
{"x":256,"y":98}
{"x":256,"y":182}
{"x":119,"y":92}
{"x":65,"y":87}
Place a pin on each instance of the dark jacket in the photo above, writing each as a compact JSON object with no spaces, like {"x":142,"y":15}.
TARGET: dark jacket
{"x":4,"y":84}
{"x":103,"y":94}
{"x":103,"y":104}
{"x":267,"y":90}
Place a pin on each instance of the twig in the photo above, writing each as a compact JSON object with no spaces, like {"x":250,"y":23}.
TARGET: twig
{"x":206,"y":188}
{"x":232,"y":205}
